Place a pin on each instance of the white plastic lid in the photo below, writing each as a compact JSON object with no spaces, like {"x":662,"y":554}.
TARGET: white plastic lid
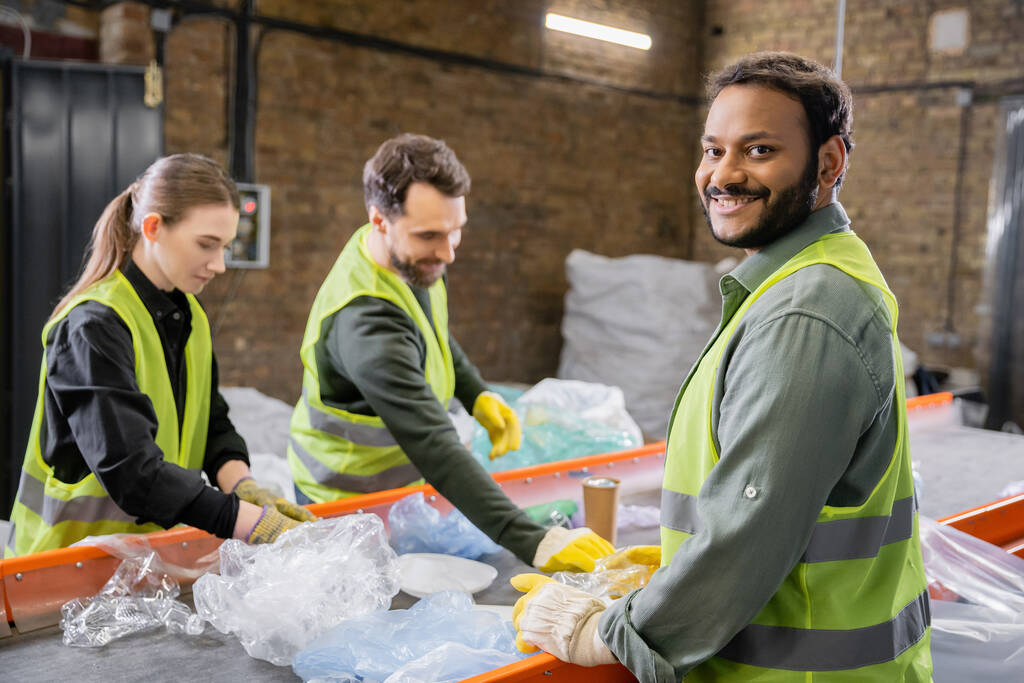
{"x":422,"y":574}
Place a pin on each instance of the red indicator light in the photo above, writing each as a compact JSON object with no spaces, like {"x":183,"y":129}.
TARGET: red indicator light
{"x":249,"y":206}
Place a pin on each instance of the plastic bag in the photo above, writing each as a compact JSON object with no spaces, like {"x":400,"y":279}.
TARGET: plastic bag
{"x":139,"y":596}
{"x":440,"y":638}
{"x":563,"y":419}
{"x":613,"y":577}
{"x":419,"y":528}
{"x":591,"y":401}
{"x":276,"y":598}
{"x":962,"y":568}
{"x":638,"y":517}
{"x":625,"y":324}
{"x":973,"y":643}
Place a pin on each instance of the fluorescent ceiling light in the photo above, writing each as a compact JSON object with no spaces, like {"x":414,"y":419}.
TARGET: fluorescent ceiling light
{"x":591,"y":30}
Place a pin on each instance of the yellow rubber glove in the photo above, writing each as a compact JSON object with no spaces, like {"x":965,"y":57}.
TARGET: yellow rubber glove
{"x":270,"y":525}
{"x":573,"y":550}
{"x":500,"y":421}
{"x":636,"y":554}
{"x":558,"y":619}
{"x":248,"y":490}
{"x":525,"y":583}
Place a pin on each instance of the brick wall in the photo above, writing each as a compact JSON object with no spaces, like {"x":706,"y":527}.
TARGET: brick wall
{"x":596,"y":160}
{"x":598,"y":155}
{"x":901,"y":188}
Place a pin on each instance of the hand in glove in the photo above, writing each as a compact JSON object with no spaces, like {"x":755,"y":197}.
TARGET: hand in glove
{"x":500,"y":421}
{"x":649,"y":555}
{"x":559,"y":619}
{"x":570,"y":550}
{"x":248,"y":490}
{"x":270,"y":525}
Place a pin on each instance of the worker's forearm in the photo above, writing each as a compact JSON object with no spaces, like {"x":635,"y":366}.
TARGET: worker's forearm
{"x":230,"y":473}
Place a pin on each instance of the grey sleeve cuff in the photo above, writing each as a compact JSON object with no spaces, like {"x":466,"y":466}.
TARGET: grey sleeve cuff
{"x":618,"y":633}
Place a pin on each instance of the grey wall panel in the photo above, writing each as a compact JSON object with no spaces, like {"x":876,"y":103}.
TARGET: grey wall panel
{"x":90,"y":167}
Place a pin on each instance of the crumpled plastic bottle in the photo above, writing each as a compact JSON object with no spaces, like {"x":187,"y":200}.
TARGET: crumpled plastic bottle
{"x":139,"y":596}
{"x":278,"y":597}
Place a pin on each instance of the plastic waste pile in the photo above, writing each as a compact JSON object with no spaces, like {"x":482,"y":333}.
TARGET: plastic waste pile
{"x":419,"y":528}
{"x":562,"y":419}
{"x":277,"y":598}
{"x":141,"y":595}
{"x":440,"y":638}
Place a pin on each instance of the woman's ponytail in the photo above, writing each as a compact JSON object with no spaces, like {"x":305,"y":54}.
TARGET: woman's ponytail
{"x":113,"y":238}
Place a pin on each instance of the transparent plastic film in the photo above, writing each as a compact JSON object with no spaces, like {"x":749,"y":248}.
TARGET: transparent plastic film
{"x":962,"y":568}
{"x":278,"y":597}
{"x":616,"y":575}
{"x":141,"y":595}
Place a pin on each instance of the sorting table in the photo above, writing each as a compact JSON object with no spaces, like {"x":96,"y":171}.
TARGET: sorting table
{"x":40,"y":655}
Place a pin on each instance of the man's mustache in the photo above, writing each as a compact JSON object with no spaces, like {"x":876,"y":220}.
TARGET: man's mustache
{"x":736,"y":190}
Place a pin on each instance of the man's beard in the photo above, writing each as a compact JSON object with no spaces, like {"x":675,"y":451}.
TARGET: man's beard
{"x":790,"y":208}
{"x":411,"y":272}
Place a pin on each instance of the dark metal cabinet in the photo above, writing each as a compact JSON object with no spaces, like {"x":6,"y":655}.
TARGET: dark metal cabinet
{"x":75,"y":134}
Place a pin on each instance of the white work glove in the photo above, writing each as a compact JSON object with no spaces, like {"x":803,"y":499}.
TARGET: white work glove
{"x":559,"y":619}
{"x":574,"y":550}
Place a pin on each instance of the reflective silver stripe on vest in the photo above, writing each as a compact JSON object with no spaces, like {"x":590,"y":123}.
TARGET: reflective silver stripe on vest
{"x":12,"y":538}
{"x":32,"y":494}
{"x":364,"y":435}
{"x":679,"y":512}
{"x":391,"y":478}
{"x":797,"y":649}
{"x":841,"y":539}
{"x":860,"y":537}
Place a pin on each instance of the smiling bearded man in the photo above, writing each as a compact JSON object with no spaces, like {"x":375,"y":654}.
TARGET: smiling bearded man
{"x":790,"y":548}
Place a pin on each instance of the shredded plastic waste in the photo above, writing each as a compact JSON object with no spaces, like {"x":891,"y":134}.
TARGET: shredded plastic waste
{"x":613,"y":577}
{"x":141,"y":595}
{"x":440,"y":638}
{"x":416,"y":527}
{"x":563,"y":419}
{"x":276,"y":598}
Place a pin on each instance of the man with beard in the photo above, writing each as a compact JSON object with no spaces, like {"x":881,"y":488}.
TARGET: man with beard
{"x":789,"y":534}
{"x":380,"y":367}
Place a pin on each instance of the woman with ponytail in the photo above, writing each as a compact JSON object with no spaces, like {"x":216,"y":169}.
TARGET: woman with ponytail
{"x":128,"y":414}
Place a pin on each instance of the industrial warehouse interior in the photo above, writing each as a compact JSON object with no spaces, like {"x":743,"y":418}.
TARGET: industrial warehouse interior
{"x":436,"y":340}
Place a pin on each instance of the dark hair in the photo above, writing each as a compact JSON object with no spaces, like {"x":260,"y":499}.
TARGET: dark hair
{"x":406,"y":159}
{"x":169,"y":187}
{"x":827,"y":101}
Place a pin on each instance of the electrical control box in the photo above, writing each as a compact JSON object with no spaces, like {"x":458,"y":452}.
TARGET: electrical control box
{"x":251,"y":248}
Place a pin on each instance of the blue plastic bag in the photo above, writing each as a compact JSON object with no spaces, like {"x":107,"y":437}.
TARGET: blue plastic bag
{"x":440,"y":638}
{"x":419,"y":528}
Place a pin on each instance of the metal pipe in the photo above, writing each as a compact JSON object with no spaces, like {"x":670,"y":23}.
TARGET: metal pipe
{"x":840,"y":30}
